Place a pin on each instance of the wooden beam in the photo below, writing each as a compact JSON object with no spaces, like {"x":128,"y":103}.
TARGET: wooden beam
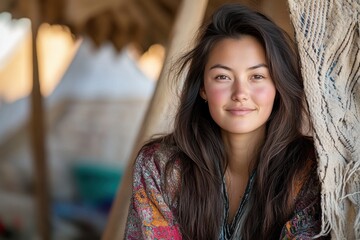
{"x":170,"y":4}
{"x":187,"y":22}
{"x":40,"y":165}
{"x":5,"y":5}
{"x":38,"y":135}
{"x":138,"y":22}
{"x":99,"y":28}
{"x":77,"y":12}
{"x":157,"y":15}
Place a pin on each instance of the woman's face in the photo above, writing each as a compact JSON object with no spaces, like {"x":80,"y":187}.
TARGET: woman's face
{"x":237,"y":85}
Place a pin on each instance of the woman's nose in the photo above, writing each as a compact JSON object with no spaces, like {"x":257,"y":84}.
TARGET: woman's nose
{"x":240,"y":91}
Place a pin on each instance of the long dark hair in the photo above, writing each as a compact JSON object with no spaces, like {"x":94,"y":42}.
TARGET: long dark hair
{"x":201,"y":149}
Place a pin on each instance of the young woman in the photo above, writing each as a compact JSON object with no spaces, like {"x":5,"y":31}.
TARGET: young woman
{"x":236,"y":165}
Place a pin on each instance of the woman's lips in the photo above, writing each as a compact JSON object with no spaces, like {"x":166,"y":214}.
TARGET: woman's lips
{"x":240,"y":111}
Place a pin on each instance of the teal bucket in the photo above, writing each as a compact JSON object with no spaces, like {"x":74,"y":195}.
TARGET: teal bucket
{"x":96,"y":182}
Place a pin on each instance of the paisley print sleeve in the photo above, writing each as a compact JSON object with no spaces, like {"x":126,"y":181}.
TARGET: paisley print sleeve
{"x":151,"y":216}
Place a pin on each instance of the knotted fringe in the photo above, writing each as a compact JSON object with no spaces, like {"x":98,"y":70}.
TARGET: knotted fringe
{"x":327,"y":34}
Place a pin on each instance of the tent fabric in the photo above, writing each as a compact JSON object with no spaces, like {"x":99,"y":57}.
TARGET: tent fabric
{"x":327,"y":33}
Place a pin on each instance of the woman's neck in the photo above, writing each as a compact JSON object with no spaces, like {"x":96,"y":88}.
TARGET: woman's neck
{"x":242,"y":150}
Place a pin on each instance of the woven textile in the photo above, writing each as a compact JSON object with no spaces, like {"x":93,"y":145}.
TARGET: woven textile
{"x":327,"y":34}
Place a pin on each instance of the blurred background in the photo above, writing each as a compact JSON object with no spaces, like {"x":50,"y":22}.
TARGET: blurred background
{"x":83,"y":93}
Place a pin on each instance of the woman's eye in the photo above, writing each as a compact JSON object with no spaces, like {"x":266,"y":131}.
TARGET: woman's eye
{"x":221,"y":77}
{"x":257,"y":77}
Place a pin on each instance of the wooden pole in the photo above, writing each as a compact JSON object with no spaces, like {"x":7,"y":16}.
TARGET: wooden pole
{"x":189,"y":19}
{"x":38,"y":137}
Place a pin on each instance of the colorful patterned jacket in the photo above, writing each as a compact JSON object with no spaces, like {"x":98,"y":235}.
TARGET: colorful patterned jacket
{"x":152,"y":213}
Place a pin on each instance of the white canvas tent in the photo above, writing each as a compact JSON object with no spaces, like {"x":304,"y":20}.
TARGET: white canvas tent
{"x":94,"y":113}
{"x":107,"y":86}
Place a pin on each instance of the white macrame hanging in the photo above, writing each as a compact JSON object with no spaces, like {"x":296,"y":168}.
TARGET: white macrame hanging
{"x":328,"y":36}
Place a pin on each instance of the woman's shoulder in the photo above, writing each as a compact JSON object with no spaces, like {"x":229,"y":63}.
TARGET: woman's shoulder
{"x":157,"y":153}
{"x":152,"y":212}
{"x":157,"y":166}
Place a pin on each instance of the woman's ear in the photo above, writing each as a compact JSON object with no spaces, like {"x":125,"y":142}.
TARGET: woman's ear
{"x":203,"y":94}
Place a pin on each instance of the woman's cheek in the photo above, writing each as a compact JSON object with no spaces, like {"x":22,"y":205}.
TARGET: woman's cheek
{"x":216,"y":95}
{"x":265,"y":94}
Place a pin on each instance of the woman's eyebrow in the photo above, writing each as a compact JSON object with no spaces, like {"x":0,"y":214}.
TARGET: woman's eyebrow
{"x":258,"y":66}
{"x":230,"y":69}
{"x":220,"y":66}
